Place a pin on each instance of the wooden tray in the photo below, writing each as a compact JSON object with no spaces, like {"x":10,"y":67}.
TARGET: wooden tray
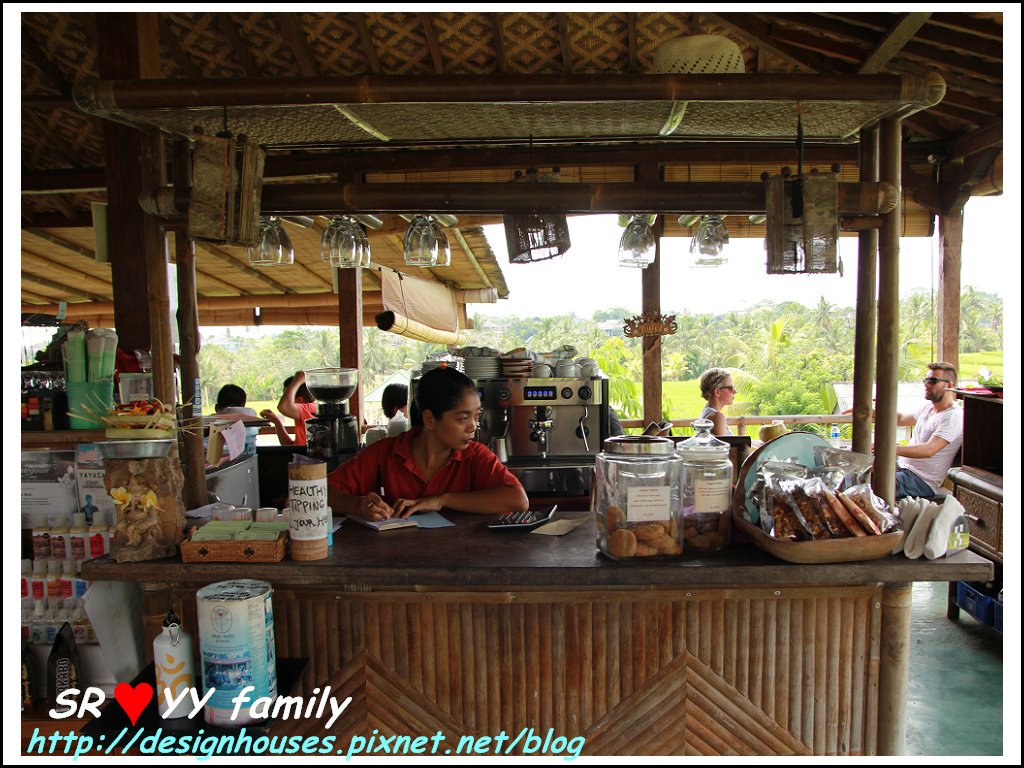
{"x":823,"y":551}
{"x":234,"y":551}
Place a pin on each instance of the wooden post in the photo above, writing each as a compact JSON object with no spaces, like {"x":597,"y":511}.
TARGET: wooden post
{"x":884,"y":475}
{"x":350,"y":323}
{"x":951,"y":235}
{"x":894,"y":674}
{"x":650,"y":287}
{"x":193,"y":456}
{"x":867,"y":273}
{"x":128,"y":46}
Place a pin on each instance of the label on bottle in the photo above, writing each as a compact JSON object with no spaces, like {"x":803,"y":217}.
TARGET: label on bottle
{"x":96,"y":545}
{"x":648,"y":504}
{"x":711,"y":496}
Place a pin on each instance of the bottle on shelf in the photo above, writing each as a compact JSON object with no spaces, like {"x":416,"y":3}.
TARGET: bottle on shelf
{"x":834,"y":435}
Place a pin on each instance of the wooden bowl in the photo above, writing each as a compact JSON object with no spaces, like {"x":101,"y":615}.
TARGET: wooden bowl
{"x":822,"y":551}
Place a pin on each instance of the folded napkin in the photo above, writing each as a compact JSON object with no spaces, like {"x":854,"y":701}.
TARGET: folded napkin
{"x":909,"y":509}
{"x":914,"y":541}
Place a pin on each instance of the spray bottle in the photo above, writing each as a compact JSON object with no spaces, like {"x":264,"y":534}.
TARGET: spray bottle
{"x":175,"y":669}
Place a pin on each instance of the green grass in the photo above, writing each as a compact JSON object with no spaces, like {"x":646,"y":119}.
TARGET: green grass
{"x":971,"y":362}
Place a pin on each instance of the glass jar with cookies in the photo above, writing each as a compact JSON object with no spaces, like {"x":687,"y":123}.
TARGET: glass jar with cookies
{"x":707,"y":489}
{"x":637,"y":498}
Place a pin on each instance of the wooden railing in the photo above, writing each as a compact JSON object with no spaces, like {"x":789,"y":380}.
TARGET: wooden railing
{"x":740,"y":423}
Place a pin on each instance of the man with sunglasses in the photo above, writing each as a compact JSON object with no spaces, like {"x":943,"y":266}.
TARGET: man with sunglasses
{"x":922,"y":464}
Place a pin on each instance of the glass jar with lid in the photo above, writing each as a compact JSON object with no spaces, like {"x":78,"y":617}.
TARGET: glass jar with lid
{"x":707,"y":489}
{"x":637,"y":498}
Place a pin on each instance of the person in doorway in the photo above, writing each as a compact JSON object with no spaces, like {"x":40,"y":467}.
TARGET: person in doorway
{"x":922,"y":464}
{"x":717,"y":388}
{"x":395,"y":404}
{"x":297,"y":403}
{"x":437,"y":464}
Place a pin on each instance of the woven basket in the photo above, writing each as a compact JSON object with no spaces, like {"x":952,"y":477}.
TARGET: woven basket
{"x":699,"y":54}
{"x":234,"y":551}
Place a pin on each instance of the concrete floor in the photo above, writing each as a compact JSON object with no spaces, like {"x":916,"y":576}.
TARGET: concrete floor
{"x":955,"y":700}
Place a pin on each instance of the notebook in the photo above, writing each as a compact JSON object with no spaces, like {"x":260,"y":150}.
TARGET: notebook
{"x":419,"y":520}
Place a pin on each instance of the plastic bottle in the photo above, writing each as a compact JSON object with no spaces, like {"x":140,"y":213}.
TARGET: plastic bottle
{"x":54,"y":585}
{"x":79,"y":540}
{"x":38,"y":624}
{"x":833,"y":435}
{"x":38,"y":584}
{"x":99,"y":536}
{"x":60,"y":539}
{"x":175,"y":668}
{"x":41,"y":540}
{"x":26,"y":584}
{"x":67,"y":584}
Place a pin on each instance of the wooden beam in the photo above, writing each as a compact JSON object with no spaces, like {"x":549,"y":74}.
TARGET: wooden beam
{"x":650,"y":287}
{"x":229,"y":28}
{"x":67,"y":290}
{"x":315,"y":275}
{"x":499,"y":42}
{"x":243,"y":266}
{"x":985,"y":28}
{"x":986,"y":137}
{"x":296,"y":41}
{"x":892,"y":42}
{"x":431,"y":36}
{"x":746,"y":25}
{"x":836,"y":56}
{"x":58,"y":269}
{"x":634,"y":63}
{"x":864,"y":325}
{"x":51,"y":142}
{"x":367,"y":42}
{"x":562,"y":26}
{"x":67,"y":245}
{"x":350,"y":324}
{"x":470,"y":256}
{"x":30,"y":296}
{"x":947,"y":327}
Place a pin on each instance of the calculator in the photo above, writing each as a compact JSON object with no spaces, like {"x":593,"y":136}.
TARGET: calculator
{"x":525,"y":520}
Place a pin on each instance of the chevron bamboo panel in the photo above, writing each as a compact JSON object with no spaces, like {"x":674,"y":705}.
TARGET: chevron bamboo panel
{"x":652,"y":672}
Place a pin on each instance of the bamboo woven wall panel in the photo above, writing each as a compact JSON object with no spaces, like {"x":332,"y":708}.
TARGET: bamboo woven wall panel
{"x":718,"y":671}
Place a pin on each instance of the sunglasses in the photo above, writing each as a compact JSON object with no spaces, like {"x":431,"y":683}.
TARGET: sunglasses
{"x":933,"y":381}
{"x":730,"y":387}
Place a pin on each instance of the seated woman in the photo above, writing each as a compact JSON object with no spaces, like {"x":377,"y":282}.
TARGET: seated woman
{"x":231,"y":400}
{"x":436,"y":464}
{"x":716,"y":387}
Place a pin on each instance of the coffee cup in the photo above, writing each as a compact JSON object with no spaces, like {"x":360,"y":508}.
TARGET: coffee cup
{"x":567,"y":370}
{"x":542,"y":371}
{"x":590,"y":370}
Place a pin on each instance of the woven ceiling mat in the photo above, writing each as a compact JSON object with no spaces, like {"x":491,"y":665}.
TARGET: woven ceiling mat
{"x":69,"y":42}
{"x":202,"y":35}
{"x":467,"y":42}
{"x":335,"y":43}
{"x":61,"y":138}
{"x":777,"y":120}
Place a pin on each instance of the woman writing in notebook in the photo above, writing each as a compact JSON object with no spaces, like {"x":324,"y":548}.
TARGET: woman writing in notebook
{"x":435,"y":465}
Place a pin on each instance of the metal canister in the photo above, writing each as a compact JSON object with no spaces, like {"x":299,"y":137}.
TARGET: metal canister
{"x":236,"y":642}
{"x":637,"y":498}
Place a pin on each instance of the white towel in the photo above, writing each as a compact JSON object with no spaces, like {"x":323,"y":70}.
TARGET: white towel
{"x":914,"y":541}
{"x":937,"y":541}
{"x":909,"y":509}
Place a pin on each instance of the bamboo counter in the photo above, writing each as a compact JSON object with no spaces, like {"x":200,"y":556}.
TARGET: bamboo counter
{"x":471,"y":632}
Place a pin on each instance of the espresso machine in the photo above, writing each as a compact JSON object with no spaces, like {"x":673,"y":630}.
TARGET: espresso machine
{"x":550,"y":429}
{"x":333,"y":434}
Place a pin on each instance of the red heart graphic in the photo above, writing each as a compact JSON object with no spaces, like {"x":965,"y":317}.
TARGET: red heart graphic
{"x":133,"y":700}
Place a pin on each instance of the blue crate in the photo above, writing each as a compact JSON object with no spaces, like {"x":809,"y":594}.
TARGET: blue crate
{"x":978,"y":604}
{"x":998,"y":616}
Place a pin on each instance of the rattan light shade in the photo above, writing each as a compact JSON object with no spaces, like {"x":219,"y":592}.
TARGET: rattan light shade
{"x":536,"y":236}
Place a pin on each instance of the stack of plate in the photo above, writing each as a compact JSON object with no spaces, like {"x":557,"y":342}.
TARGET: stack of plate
{"x":449,"y":362}
{"x":515,"y":368}
{"x":483,"y":368}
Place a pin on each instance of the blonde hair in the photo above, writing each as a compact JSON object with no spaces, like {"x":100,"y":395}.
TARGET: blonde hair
{"x":712,"y":379}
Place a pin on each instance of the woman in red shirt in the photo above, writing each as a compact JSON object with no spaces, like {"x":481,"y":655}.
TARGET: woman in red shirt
{"x":438,"y":463}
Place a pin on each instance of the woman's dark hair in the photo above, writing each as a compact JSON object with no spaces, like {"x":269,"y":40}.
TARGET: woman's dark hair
{"x":230,"y":396}
{"x":439,"y":391}
{"x":395,"y":396}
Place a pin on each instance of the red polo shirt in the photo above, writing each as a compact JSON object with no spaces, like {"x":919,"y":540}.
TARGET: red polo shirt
{"x":473,"y":468}
{"x":306,"y":411}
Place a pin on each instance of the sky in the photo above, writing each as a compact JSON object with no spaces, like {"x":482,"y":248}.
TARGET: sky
{"x":589,"y":278}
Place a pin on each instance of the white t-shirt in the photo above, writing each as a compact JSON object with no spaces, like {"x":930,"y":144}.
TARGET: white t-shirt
{"x":397,"y":424}
{"x":947,"y":424}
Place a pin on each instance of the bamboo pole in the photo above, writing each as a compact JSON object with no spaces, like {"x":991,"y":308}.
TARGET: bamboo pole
{"x":108,"y":95}
{"x":864,"y":328}
{"x":894,"y":677}
{"x":947,"y":330}
{"x":884,"y":475}
{"x":194,"y":492}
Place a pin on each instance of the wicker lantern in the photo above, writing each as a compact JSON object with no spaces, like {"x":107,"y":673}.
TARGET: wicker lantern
{"x":536,"y":236}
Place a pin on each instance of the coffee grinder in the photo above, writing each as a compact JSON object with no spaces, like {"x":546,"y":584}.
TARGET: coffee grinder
{"x":333,"y":434}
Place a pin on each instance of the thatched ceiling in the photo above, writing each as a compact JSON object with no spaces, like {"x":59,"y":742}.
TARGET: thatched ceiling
{"x":459,"y":131}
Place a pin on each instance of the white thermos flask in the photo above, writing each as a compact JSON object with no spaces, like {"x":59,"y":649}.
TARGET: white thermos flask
{"x":175,"y":669}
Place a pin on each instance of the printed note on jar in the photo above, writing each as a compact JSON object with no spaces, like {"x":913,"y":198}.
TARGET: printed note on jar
{"x":648,"y":504}
{"x":711,"y":496}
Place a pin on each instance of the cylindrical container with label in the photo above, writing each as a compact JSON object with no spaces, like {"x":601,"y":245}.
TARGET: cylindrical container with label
{"x":60,"y":542}
{"x":707,"y":489}
{"x":41,"y":540}
{"x":37,"y":584}
{"x":310,"y":521}
{"x":79,"y":540}
{"x":636,"y":498}
{"x":236,"y":644}
{"x":175,"y":669}
{"x":99,"y":536}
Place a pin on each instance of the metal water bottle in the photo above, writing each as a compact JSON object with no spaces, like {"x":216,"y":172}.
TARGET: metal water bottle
{"x":175,"y":669}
